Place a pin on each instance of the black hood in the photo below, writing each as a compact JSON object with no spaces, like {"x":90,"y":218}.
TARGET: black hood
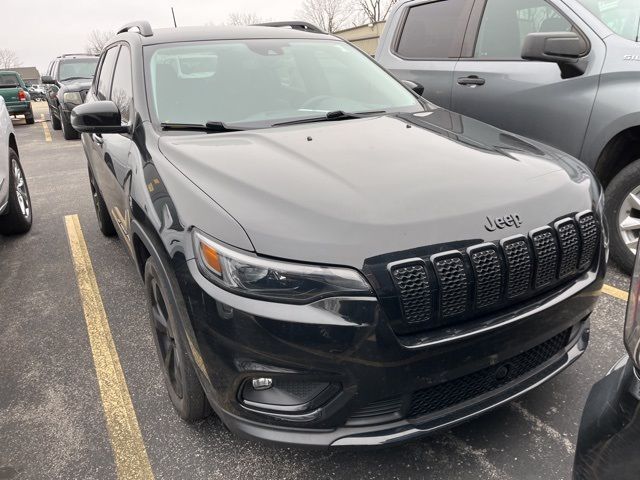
{"x":76,"y":85}
{"x":341,"y":192}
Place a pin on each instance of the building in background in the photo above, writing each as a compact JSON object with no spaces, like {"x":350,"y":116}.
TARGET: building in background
{"x":364,"y":37}
{"x":30,"y":75}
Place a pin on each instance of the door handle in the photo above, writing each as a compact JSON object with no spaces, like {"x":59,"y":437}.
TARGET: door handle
{"x":97,"y":139}
{"x":471,"y":80}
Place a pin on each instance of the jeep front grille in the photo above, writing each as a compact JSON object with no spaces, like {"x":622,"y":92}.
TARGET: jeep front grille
{"x":454,"y":286}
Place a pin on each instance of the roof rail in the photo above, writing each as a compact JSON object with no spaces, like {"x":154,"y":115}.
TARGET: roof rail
{"x":144,"y":28}
{"x":295,"y":25}
{"x":77,"y":55}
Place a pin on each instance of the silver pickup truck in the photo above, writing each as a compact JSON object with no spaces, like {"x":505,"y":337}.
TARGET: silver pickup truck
{"x":564,"y":72}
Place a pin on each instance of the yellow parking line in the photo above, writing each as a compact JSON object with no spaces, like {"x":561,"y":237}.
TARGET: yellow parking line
{"x":45,"y":127}
{"x":615,"y":292}
{"x":129,"y":452}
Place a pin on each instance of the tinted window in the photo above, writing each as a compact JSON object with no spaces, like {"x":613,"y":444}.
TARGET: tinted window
{"x":106,"y":73}
{"x":432,"y":30}
{"x":122,"y":89}
{"x":77,"y":68}
{"x":9,"y":80}
{"x":506,"y":23}
{"x":216,"y":80}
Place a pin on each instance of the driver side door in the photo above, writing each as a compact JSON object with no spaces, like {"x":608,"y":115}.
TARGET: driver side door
{"x":494,"y":84}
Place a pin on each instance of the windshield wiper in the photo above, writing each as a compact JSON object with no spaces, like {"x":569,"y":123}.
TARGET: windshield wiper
{"x":76,"y":78}
{"x":330,"y":117}
{"x":215,"y":127}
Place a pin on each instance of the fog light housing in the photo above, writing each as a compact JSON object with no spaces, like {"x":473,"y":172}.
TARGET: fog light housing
{"x":290,"y":399}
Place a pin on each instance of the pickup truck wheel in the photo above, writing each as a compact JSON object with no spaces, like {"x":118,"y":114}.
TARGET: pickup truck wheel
{"x":68,"y":131}
{"x":18,"y":216}
{"x":622,"y":211}
{"x":29,"y":116}
{"x":102,"y":213}
{"x":181,"y":380}
{"x":55,"y":121}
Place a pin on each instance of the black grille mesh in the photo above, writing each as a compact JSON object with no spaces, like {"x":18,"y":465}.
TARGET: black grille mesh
{"x":590,"y":236}
{"x":461,"y":389}
{"x":545,"y":247}
{"x":453,"y":286}
{"x":569,"y":247}
{"x":519,"y":267}
{"x":413,"y":285}
{"x":490,"y":276}
{"x":382,"y":407}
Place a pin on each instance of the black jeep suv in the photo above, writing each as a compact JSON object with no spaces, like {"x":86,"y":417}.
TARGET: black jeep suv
{"x":329,"y":259}
{"x":67,"y":81}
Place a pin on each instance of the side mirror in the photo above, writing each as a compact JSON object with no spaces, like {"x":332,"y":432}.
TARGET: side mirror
{"x":416,"y":87}
{"x":48,"y":80}
{"x":567,"y":49}
{"x":98,"y":117}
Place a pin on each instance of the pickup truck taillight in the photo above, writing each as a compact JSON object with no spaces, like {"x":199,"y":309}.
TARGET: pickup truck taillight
{"x":22,"y":95}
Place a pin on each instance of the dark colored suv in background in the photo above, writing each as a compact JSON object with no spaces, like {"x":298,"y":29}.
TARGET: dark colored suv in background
{"x":329,"y":259}
{"x":68,"y":80}
{"x":563,"y":72}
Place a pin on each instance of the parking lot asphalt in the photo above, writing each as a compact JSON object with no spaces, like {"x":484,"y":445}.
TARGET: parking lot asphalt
{"x":52,"y":415}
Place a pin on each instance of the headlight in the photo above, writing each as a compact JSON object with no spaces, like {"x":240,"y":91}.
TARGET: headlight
{"x":72,"y":97}
{"x":632,"y":324}
{"x":272,"y":279}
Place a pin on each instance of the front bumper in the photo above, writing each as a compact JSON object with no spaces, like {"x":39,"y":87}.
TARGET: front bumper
{"x":609,"y":434}
{"x":380,"y":380}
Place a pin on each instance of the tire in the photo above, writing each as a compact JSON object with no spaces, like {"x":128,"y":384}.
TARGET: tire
{"x":102,"y":213}
{"x":55,"y":121}
{"x":68,"y":131}
{"x":18,"y":216}
{"x":181,"y":380}
{"x":29,"y":116}
{"x":619,"y":207}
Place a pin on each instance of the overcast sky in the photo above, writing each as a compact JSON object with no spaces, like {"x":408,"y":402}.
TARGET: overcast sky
{"x":40,"y":30}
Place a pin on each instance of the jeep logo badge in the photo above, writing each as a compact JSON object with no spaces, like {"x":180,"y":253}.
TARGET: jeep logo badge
{"x":500,"y":223}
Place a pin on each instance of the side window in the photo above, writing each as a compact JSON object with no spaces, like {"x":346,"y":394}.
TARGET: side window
{"x":122,"y":89}
{"x":106,"y":73}
{"x":506,"y":23}
{"x":433,"y":30}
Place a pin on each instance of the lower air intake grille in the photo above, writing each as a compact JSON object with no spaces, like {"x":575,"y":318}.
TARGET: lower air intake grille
{"x":470,"y":386}
{"x":376,"y":409}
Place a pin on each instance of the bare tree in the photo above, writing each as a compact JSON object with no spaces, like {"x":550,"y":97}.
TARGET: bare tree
{"x":330,"y":15}
{"x":373,"y":10}
{"x":8,"y":58}
{"x":97,"y":40}
{"x":243,"y":18}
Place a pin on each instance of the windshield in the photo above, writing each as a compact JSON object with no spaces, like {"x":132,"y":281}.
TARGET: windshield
{"x":259,"y":83}
{"x":77,"y":68}
{"x":9,"y":81}
{"x":621,"y":16}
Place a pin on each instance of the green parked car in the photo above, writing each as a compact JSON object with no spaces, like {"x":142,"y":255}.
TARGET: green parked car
{"x":16,"y":96}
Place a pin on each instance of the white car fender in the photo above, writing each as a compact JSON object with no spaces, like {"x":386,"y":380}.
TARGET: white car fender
{"x":6,"y":131}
